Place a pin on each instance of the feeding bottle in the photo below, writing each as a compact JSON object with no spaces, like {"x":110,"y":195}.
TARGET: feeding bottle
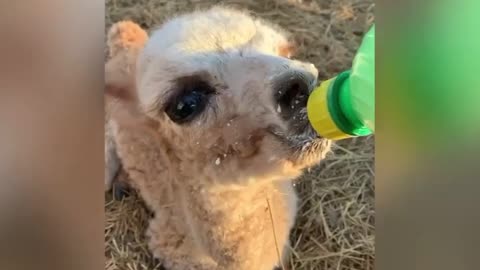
{"x":344,"y":106}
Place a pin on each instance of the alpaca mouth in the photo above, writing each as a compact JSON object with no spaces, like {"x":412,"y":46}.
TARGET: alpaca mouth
{"x":302,"y":141}
{"x":304,"y":145}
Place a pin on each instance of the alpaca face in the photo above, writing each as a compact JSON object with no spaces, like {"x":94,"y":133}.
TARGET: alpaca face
{"x":227,"y":100}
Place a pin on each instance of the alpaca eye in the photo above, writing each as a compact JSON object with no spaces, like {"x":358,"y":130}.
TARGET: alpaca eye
{"x":189,"y":103}
{"x":187,"y":106}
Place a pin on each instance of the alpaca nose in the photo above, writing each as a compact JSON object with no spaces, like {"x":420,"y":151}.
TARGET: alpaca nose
{"x":291,"y":92}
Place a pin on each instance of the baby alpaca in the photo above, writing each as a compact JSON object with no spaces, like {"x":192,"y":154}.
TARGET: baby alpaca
{"x":208,"y":118}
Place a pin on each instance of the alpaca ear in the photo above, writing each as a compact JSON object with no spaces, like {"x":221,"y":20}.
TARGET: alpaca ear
{"x":125,"y":36}
{"x":287,"y":49}
{"x":120,"y":78}
{"x":125,"y":41}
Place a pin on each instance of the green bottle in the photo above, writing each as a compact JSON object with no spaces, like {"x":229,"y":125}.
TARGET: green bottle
{"x":344,"y":106}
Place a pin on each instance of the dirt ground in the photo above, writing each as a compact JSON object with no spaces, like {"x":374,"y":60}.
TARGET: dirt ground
{"x":335,"y":223}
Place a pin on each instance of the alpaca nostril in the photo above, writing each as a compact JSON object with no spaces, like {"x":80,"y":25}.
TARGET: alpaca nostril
{"x":292,"y":94}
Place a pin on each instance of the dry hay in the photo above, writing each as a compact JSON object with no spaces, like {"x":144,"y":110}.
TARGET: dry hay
{"x":335,"y":224}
